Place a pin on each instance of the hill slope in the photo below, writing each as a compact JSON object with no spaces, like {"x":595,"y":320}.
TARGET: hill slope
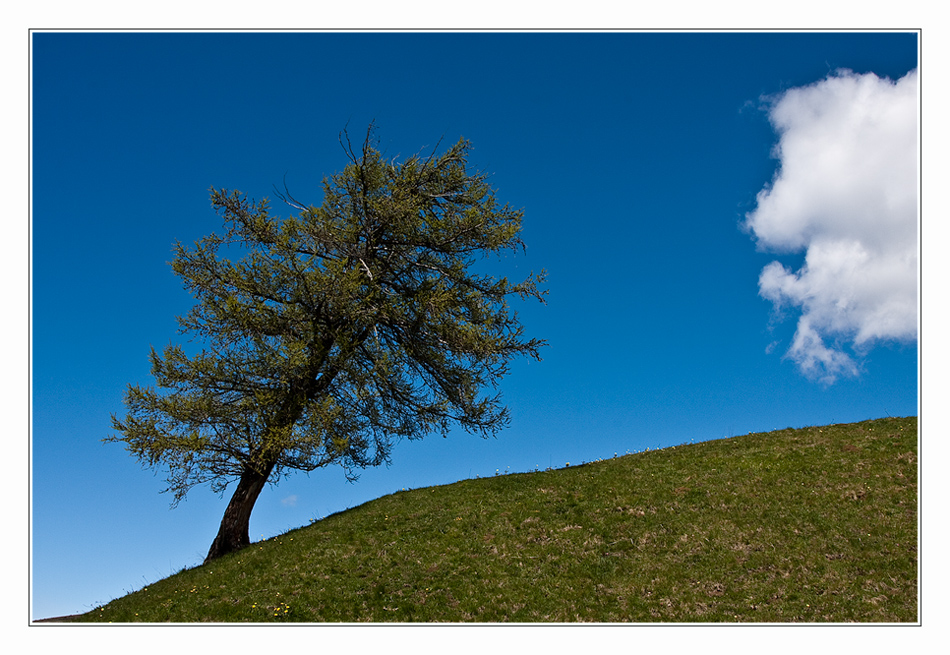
{"x":809,"y":525}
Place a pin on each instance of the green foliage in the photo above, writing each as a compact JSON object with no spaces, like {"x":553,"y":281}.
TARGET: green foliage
{"x":330,"y":334}
{"x":808,"y":525}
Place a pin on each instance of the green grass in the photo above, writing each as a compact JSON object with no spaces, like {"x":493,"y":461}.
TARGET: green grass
{"x":800,"y":525}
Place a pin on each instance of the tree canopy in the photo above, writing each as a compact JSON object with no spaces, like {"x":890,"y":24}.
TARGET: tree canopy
{"x":330,"y":335}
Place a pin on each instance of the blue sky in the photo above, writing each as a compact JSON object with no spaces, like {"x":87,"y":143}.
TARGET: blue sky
{"x":654,"y":196}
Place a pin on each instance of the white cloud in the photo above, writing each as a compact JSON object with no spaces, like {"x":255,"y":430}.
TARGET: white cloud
{"x":289,"y":501}
{"x":845,"y":193}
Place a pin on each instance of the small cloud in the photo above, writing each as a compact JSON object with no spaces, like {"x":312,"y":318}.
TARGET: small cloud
{"x":845,"y":194}
{"x":815,"y":359}
{"x":289,"y":501}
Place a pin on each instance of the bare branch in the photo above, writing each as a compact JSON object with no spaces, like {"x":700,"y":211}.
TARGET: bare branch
{"x":288,"y":199}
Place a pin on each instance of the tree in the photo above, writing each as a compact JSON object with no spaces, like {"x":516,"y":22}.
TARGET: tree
{"x":336,"y":333}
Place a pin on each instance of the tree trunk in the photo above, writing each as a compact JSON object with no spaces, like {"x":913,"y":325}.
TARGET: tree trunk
{"x":233,"y":533}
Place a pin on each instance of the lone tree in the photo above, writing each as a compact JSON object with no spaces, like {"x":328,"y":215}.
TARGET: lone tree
{"x":336,"y":332}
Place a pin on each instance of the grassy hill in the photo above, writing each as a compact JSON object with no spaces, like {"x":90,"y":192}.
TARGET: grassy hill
{"x":799,"y":525}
